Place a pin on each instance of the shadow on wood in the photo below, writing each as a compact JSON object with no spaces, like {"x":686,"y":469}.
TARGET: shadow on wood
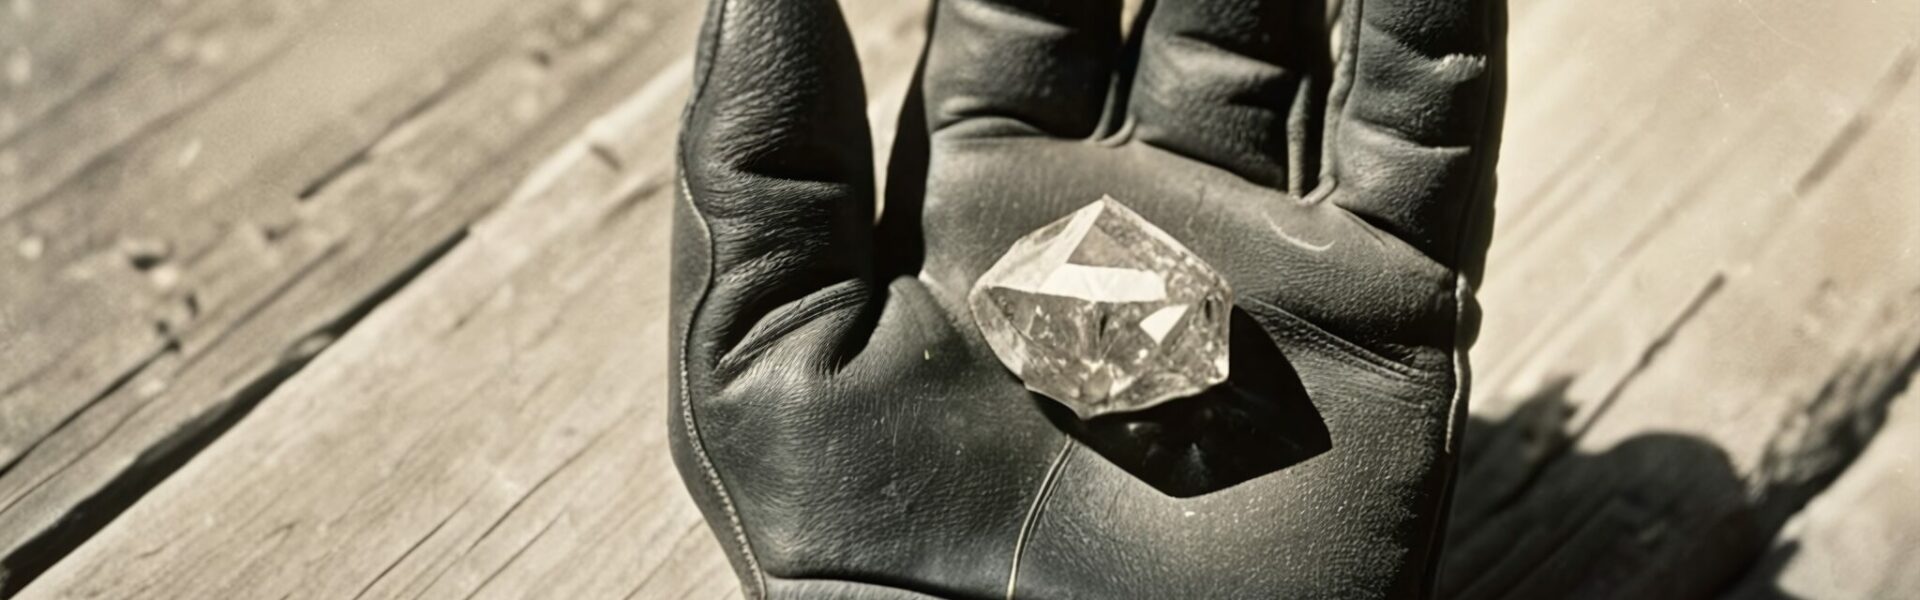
{"x":1659,"y":515}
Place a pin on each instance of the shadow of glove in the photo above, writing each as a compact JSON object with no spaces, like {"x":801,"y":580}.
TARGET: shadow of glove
{"x":846,"y":431}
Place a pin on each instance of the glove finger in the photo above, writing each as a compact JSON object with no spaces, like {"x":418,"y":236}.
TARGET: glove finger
{"x":1020,"y":67}
{"x":1237,"y":84}
{"x":1416,"y":123}
{"x":777,"y":164}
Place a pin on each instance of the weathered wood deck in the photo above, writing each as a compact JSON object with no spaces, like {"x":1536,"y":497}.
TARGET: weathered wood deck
{"x":359,"y":298}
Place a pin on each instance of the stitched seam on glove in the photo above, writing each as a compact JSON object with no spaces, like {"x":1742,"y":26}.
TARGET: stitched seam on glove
{"x":1338,"y":90}
{"x":1040,"y":497}
{"x":1352,"y":353}
{"x":1482,"y":198}
{"x":1485,"y":177}
{"x":686,"y":410}
{"x":756,"y":586}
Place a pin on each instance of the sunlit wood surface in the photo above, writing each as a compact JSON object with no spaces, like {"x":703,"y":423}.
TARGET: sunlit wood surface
{"x":363,"y":298}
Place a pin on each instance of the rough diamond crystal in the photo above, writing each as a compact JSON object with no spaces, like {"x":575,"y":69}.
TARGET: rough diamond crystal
{"x":1105,"y":313}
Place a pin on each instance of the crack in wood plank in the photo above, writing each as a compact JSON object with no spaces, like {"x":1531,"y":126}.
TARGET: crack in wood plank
{"x":14,"y":456}
{"x":382,"y":575}
{"x":695,"y":528}
{"x":516,"y":555}
{"x":27,"y":561}
{"x":1843,"y":142}
{"x":411,"y":113}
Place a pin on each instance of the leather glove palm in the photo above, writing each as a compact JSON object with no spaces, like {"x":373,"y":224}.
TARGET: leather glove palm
{"x":847,"y":432}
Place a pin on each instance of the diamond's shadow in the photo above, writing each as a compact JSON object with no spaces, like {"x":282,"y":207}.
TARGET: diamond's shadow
{"x":1257,"y":422}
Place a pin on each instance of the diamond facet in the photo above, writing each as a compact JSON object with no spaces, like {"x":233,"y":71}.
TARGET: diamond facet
{"x":1105,"y":313}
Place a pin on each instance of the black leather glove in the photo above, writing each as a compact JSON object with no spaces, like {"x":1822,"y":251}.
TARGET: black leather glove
{"x":847,"y":432}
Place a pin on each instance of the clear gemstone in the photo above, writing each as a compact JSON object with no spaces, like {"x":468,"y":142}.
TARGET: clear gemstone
{"x":1105,"y":313}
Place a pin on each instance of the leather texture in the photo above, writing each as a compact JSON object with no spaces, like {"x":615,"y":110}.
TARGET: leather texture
{"x":847,"y":433}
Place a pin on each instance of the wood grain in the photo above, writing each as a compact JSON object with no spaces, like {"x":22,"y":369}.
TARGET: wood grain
{"x":1697,"y":303}
{"x":1854,"y":540}
{"x":355,"y":298}
{"x":494,"y":427}
{"x":166,"y":320}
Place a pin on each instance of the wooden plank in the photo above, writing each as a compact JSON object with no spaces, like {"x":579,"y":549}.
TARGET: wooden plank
{"x":55,"y":50}
{"x":217,"y":43}
{"x":158,"y":204}
{"x":1855,"y":540}
{"x":1670,"y":513}
{"x":491,"y":429}
{"x":262,"y":274}
{"x":78,"y":285}
{"x":1605,"y":236}
{"x":1692,"y":352}
{"x":1705,"y":136}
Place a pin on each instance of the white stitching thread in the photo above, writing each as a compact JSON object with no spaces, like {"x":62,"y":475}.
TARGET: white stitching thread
{"x":686,"y":408}
{"x":758,"y":578}
{"x":1040,"y":497}
{"x":1460,"y":291}
{"x":1341,"y":348}
{"x":1495,"y":17}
